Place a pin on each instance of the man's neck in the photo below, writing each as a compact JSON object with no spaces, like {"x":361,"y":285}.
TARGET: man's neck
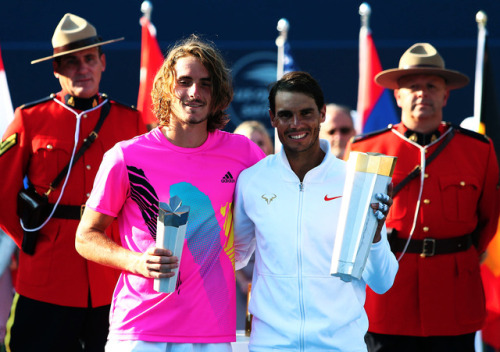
{"x":80,"y":103}
{"x":422,"y":139}
{"x":422,"y":125}
{"x":302,"y":162}
{"x":186,"y":136}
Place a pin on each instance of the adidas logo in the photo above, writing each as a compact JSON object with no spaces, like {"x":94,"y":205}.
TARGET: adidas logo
{"x":228,"y":178}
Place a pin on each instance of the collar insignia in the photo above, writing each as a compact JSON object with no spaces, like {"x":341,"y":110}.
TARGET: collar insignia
{"x":81,"y":103}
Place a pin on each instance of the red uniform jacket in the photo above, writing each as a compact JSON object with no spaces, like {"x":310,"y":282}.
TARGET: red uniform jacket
{"x":442,"y":294}
{"x":39,"y":144}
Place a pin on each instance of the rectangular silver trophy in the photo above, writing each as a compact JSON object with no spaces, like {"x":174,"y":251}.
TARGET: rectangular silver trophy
{"x":170,"y":233}
{"x":367,"y":174}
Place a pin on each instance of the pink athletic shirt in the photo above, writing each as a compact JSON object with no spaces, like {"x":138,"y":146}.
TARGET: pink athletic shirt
{"x":137,"y":174}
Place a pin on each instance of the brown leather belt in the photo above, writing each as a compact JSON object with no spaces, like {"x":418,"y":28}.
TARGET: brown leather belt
{"x":429,"y":247}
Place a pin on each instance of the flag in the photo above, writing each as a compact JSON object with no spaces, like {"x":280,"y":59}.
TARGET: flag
{"x":489,"y":113}
{"x":151,"y":61}
{"x":7,"y":245}
{"x":487,"y":116}
{"x":486,"y":120}
{"x":375,"y":108}
{"x":490,"y":274}
{"x":6,"y":110}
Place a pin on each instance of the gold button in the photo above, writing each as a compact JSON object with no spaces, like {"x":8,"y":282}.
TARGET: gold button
{"x":84,"y":116}
{"x":462,"y":183}
{"x":426,"y":175}
{"x":427,"y":201}
{"x":426,"y":229}
{"x":88,"y":167}
{"x":49,"y":146}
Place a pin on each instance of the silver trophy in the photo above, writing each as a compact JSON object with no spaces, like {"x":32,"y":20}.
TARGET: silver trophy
{"x":170,"y":233}
{"x":367,"y":174}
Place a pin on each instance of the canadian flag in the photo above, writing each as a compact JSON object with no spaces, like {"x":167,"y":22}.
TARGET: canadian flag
{"x":6,"y":110}
{"x":151,"y":61}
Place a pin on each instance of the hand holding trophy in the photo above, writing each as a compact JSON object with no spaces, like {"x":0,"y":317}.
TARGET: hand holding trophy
{"x":367,"y":180}
{"x":170,"y":234}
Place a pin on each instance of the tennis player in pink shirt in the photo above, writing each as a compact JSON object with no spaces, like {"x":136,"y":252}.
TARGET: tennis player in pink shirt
{"x":187,"y":156}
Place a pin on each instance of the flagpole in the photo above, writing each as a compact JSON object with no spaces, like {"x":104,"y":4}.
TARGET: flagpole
{"x":146,"y":9}
{"x":151,"y":61}
{"x":481,"y":20}
{"x":365,"y":12}
{"x":282,"y":27}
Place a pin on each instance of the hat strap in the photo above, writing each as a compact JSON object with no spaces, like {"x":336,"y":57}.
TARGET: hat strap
{"x":78,"y":44}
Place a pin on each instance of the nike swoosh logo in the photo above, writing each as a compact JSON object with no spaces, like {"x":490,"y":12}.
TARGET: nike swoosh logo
{"x":328,"y":199}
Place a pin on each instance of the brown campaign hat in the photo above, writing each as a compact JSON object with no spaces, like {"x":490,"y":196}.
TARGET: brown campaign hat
{"x":73,"y":34}
{"x":421,"y":59}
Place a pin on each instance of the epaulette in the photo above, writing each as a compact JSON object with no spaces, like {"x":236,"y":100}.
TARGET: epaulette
{"x":36,"y":102}
{"x":362,"y":137}
{"x":132,"y":107}
{"x":483,"y":138}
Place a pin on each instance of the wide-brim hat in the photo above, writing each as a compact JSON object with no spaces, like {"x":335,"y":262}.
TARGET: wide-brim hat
{"x":73,"y":34}
{"x":421,"y":59}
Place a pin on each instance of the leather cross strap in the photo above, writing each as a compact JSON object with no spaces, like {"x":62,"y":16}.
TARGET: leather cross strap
{"x":74,"y":212}
{"x":416,"y":171}
{"x":86,"y":144}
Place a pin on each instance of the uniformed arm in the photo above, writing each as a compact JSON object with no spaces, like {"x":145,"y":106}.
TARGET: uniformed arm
{"x":93,"y":244}
{"x":14,"y":158}
{"x":244,"y":228}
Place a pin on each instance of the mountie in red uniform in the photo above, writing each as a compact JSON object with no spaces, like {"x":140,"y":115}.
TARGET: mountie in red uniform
{"x":452,"y":209}
{"x":39,"y":144}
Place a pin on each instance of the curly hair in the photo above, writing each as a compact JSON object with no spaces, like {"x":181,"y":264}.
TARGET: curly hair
{"x":221,"y":88}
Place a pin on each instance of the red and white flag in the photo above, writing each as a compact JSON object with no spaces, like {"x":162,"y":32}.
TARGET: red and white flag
{"x":6,"y":110}
{"x":375,"y":107}
{"x":151,"y":61}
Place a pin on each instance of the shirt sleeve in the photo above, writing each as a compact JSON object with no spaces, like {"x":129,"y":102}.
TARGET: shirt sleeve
{"x":111,"y":184}
{"x":381,"y":266}
{"x":256,"y":154}
{"x":244,"y":228}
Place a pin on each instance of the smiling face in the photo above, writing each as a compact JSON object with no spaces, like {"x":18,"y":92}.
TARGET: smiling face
{"x":80,"y":73}
{"x":297,"y":120}
{"x":192,"y":92}
{"x":421,"y":99}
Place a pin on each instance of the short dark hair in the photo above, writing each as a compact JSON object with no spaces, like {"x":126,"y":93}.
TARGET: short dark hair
{"x":300,"y":82}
